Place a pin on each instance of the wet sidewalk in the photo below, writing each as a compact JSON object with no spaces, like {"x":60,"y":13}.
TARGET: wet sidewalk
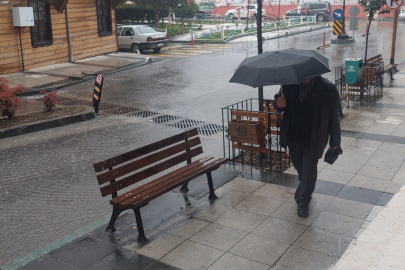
{"x":253,"y":224}
{"x":62,"y":75}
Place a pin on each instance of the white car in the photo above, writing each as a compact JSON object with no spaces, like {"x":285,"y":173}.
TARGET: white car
{"x":233,"y":13}
{"x":402,"y":14}
{"x":140,"y":37}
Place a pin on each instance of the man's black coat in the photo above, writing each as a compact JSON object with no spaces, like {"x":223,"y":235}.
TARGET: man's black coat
{"x":325,"y":114}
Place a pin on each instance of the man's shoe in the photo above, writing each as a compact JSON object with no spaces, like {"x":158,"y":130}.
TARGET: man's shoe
{"x":303,"y":211}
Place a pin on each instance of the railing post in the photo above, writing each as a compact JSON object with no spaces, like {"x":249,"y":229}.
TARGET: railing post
{"x":315,"y":18}
{"x":222,"y":34}
{"x":289,"y":21}
{"x":243,"y":29}
{"x":302,"y":20}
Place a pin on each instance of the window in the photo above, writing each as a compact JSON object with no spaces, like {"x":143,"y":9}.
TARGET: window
{"x":317,"y":6}
{"x":146,"y":29}
{"x":41,"y":32}
{"x":104,"y":17}
{"x":128,"y":32}
{"x":119,"y":30}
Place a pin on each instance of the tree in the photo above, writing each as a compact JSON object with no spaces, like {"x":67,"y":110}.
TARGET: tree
{"x":372,"y":7}
{"x":158,"y":6}
{"x":185,"y":10}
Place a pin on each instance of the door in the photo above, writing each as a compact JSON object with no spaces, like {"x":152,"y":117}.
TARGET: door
{"x":126,"y":38}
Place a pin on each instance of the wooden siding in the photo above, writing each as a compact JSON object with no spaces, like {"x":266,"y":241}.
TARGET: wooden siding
{"x":84,"y":35}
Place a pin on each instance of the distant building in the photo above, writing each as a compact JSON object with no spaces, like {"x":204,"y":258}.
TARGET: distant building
{"x":92,"y":32}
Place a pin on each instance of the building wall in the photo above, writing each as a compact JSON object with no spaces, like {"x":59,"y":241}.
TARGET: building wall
{"x":84,"y":36}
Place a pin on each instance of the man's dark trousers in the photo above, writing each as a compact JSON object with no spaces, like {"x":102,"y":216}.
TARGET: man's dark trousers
{"x":306,"y":166}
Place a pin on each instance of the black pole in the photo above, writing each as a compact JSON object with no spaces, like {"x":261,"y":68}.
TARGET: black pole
{"x":260,"y":46}
{"x":344,"y":18}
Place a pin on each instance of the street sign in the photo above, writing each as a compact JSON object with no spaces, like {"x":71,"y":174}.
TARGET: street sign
{"x":98,"y":86}
{"x":338,"y":14}
{"x":354,"y":11}
{"x":354,"y":23}
{"x":337,"y":28}
{"x":394,"y":4}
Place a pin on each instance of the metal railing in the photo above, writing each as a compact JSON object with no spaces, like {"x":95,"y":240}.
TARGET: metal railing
{"x":370,"y":85}
{"x":276,"y":159}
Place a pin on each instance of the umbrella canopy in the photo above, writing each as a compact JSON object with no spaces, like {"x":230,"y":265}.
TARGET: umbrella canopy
{"x":290,"y":66}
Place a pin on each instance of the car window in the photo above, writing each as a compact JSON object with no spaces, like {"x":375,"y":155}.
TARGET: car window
{"x":146,"y":29}
{"x":317,"y":6}
{"x":127,"y":32}
{"x":119,"y":30}
{"x":252,"y":7}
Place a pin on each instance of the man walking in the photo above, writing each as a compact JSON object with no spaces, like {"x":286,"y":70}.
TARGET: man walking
{"x":311,"y":118}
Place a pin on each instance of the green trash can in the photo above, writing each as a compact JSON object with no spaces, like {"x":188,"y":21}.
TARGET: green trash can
{"x":354,"y":70}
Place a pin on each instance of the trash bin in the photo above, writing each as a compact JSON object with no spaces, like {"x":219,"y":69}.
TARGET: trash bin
{"x":353,"y":70}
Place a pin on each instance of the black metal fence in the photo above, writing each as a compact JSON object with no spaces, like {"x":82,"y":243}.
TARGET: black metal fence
{"x":276,"y":158}
{"x":370,"y":87}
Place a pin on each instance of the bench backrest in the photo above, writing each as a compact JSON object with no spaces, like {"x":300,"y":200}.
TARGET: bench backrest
{"x":130,"y":166}
{"x":375,"y":59}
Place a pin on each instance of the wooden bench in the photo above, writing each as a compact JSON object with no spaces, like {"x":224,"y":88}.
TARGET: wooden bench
{"x":129,"y":168}
{"x":378,"y":60}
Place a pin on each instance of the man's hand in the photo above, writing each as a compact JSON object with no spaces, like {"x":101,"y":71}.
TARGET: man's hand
{"x":281,"y":102}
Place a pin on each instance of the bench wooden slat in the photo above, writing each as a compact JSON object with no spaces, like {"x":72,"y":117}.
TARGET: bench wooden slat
{"x":135,"y":165}
{"x":143,"y":194}
{"x":164,"y":189}
{"x":127,"y":181}
{"x":389,"y":67}
{"x":124,"y":196}
{"x":111,"y":162}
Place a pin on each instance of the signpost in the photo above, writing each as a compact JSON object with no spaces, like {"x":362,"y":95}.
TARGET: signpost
{"x":98,"y":86}
{"x":338,"y":14}
{"x":354,"y":21}
{"x":394,"y":5}
{"x":337,"y":28}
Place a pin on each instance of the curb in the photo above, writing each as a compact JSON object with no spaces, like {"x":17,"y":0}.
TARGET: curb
{"x":29,"y":128}
{"x":35,"y":91}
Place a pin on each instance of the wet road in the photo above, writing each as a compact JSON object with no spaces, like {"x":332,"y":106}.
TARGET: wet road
{"x":48,"y":188}
{"x":197,"y":86}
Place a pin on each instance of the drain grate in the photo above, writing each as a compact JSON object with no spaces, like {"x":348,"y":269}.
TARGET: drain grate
{"x":121,"y":110}
{"x":209,"y":129}
{"x":108,"y":106}
{"x":186,"y":123}
{"x":142,"y":114}
{"x":71,"y":102}
{"x":164,"y":118}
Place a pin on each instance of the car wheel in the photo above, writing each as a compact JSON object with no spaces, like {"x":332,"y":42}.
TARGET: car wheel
{"x":156,"y":50}
{"x":135,"y":48}
{"x":230,"y":16}
{"x":321,"y":18}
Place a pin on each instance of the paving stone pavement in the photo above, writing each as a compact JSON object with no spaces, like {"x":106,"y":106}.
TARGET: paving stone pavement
{"x":51,"y":196}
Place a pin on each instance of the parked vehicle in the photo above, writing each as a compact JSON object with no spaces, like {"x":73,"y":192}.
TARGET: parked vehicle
{"x":233,"y":13}
{"x":322,"y":9}
{"x":140,"y":37}
{"x":402,"y":14}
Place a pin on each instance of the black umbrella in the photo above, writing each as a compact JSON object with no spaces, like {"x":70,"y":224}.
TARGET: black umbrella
{"x":290,"y":66}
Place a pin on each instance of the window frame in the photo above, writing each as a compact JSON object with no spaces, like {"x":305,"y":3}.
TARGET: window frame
{"x":102,"y":32}
{"x":48,"y":21}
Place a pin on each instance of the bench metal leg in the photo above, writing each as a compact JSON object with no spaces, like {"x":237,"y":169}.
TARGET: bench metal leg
{"x":211,"y":187}
{"x":116,"y":212}
{"x":392,"y":78}
{"x":141,"y":238}
{"x":184,"y":188}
